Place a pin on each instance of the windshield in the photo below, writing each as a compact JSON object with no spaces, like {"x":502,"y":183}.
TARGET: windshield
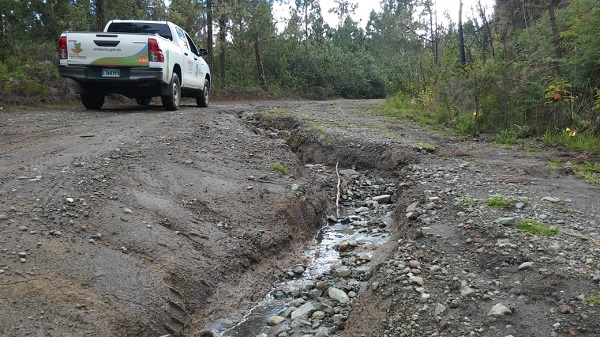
{"x":139,"y":27}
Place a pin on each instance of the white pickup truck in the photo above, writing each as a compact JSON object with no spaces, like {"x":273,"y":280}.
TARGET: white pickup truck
{"x":138,"y":59}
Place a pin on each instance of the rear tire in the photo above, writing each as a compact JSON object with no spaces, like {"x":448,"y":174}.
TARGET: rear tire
{"x":203,"y":99}
{"x":171,"y":101}
{"x":143,"y":100}
{"x":92,"y":101}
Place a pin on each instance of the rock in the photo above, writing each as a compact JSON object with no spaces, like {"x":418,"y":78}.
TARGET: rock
{"x":338,"y":295}
{"x":551,"y":199}
{"x":348,"y":173}
{"x":361,"y":210}
{"x":315,"y":293}
{"x":299,"y":269}
{"x":412,"y":207}
{"x":526,"y":265}
{"x":467,"y":291}
{"x":414,"y":264}
{"x":565,"y":309}
{"x":3,"y":216}
{"x":275,"y":320}
{"x":343,"y":271}
{"x":416,"y":280}
{"x":499,"y":310}
{"x":318,"y":315}
{"x":322,"y":332}
{"x":127,"y":211}
{"x":506,"y":221}
{"x":303,"y":311}
{"x":383,"y":199}
{"x":412,"y":215}
{"x":439,"y":309}
{"x":560,"y":260}
{"x":505,"y":243}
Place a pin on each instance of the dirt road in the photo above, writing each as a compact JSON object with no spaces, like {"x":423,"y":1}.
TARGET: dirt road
{"x":132,"y":221}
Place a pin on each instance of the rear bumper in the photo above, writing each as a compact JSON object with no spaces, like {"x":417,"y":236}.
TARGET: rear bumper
{"x":132,"y":82}
{"x":85,"y":74}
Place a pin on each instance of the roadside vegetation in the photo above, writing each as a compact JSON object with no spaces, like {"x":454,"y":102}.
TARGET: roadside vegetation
{"x":529,"y":70}
{"x":537,"y":228}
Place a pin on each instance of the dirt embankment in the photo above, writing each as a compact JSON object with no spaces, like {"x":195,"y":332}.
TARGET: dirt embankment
{"x":141,"y":222}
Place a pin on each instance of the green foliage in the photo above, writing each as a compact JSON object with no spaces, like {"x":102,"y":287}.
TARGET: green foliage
{"x":498,"y":202}
{"x":565,"y":209}
{"x":537,"y":228}
{"x":466,"y":202}
{"x":570,"y":138}
{"x":593,"y":299}
{"x":280,"y":168}
{"x":588,"y":172}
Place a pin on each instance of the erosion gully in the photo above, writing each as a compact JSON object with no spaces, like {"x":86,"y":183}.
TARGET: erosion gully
{"x":314,"y":299}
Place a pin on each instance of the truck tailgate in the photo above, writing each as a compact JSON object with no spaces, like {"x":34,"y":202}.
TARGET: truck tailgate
{"x":107,"y":49}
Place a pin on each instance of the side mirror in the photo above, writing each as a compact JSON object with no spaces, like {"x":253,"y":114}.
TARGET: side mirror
{"x":203,"y":52}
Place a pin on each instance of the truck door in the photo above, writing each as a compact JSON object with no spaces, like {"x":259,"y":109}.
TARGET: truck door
{"x":190,"y":67}
{"x":201,"y":67}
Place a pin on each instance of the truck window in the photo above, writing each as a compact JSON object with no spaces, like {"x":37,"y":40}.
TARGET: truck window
{"x":192,"y":45}
{"x":141,"y":28}
{"x":182,"y":38}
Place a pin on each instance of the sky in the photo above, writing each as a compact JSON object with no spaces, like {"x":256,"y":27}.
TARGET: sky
{"x":365,"y":7}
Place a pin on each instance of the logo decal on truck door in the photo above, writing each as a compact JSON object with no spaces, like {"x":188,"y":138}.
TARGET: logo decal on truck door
{"x":77,"y":48}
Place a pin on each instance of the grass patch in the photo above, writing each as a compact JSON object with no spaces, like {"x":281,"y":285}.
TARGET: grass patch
{"x":537,"y":228}
{"x":280,"y":168}
{"x":587,"y":171}
{"x":556,"y":164}
{"x":499,"y":202}
{"x":565,"y":209}
{"x":571,"y":139}
{"x":593,"y":299}
{"x":279,"y":112}
{"x":466,"y":202}
{"x":426,"y":147}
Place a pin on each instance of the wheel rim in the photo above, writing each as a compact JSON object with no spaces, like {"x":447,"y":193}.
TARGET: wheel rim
{"x":176,"y":93}
{"x":206,"y":93}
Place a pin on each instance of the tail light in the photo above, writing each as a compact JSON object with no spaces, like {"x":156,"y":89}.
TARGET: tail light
{"x":62,"y":48}
{"x":155,"y":54}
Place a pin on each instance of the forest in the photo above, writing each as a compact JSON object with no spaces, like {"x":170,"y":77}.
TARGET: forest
{"x":530,"y":68}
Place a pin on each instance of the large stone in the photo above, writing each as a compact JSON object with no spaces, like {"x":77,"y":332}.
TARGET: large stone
{"x":499,"y":310}
{"x":275,"y":320}
{"x":343,"y":271}
{"x":383,"y":199}
{"x":338,"y":295}
{"x":304,"y":310}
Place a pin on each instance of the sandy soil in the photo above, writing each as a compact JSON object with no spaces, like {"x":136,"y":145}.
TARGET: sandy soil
{"x":135,"y":221}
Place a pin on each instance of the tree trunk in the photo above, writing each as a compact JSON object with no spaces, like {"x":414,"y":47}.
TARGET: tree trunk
{"x":555,"y":36}
{"x":100,"y":15}
{"x":222,"y":41}
{"x":259,"y":65}
{"x":432,"y":33}
{"x":461,"y":37}
{"x":209,"y":32}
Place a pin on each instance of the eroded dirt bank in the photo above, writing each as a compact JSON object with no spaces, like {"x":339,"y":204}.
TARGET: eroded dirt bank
{"x":136,"y":222}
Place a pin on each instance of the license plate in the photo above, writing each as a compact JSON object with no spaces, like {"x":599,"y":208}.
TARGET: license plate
{"x":111,"y":72}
